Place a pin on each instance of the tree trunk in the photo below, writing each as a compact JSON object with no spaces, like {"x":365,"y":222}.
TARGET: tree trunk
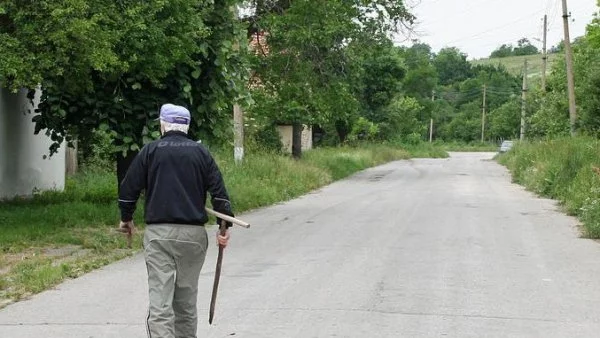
{"x":123,"y":163}
{"x":71,"y":160}
{"x":297,"y":140}
{"x":342,"y":130}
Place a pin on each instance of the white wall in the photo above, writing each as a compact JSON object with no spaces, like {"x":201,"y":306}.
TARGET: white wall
{"x":23,"y":168}
{"x":285,"y":134}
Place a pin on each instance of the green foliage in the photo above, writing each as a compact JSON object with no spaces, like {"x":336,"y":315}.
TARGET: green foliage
{"x":452,"y":66}
{"x":503,"y":51}
{"x":421,"y":76}
{"x":400,"y":119}
{"x":364,"y":130}
{"x":505,"y":121}
{"x":550,"y":115}
{"x":327,"y":64}
{"x":562,"y":169}
{"x":107,"y":65}
{"x":524,"y":47}
{"x":268,"y":138}
{"x":383,"y":72}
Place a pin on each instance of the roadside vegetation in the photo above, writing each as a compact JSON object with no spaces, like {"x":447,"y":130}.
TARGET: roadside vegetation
{"x":553,"y":163}
{"x":59,"y":235}
{"x":565,"y":169}
{"x":367,"y":100}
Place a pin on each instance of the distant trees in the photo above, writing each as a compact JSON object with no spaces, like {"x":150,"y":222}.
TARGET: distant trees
{"x":524,"y":47}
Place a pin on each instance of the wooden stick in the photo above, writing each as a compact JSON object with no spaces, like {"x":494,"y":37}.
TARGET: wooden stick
{"x":213,"y":298}
{"x":228,"y":218}
{"x":129,"y":235}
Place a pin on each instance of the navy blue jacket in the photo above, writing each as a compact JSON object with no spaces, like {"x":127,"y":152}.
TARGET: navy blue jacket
{"x":176,"y":174}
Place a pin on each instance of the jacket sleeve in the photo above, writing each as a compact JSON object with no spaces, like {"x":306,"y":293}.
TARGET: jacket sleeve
{"x":216,"y":188}
{"x":132,"y":185}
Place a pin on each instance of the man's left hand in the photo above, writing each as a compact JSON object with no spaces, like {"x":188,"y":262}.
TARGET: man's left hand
{"x":127,"y":227}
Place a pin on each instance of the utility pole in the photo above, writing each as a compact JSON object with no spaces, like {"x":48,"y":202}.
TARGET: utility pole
{"x":544,"y":54}
{"x":431,"y":121}
{"x":238,"y":117}
{"x":524,"y":101}
{"x":483,"y":114}
{"x":238,"y":126}
{"x":570,"y":76}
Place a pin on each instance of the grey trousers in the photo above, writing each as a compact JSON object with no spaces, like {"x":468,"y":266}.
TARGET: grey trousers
{"x":174,"y":256}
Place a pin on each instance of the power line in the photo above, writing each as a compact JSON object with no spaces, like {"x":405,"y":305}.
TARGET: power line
{"x":466,"y":11}
{"x":527,"y":17}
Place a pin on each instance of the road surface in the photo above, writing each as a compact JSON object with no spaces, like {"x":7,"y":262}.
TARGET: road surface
{"x":420,"y":248}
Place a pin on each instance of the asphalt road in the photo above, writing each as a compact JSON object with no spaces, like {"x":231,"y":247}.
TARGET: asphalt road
{"x":421,"y":248}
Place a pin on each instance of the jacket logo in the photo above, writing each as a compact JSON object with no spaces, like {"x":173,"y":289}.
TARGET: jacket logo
{"x":176,"y":144}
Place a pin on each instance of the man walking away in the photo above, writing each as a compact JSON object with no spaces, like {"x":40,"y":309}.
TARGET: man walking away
{"x":176,"y":174}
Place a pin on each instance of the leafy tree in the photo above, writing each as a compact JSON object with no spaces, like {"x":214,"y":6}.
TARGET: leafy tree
{"x":505,"y":121}
{"x":109,"y":65}
{"x":421,"y":76}
{"x":312,"y":73}
{"x":382,"y":75}
{"x":465,"y":125}
{"x":503,"y":51}
{"x":524,"y":47}
{"x":551,"y":115}
{"x":452,"y":66}
{"x":587,"y":70}
{"x":400,"y":119}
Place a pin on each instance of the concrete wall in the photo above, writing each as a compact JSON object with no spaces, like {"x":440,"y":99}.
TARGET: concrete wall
{"x":285,"y":133}
{"x":23,"y":169}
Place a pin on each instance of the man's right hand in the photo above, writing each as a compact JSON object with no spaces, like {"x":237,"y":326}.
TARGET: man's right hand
{"x":223,"y":240}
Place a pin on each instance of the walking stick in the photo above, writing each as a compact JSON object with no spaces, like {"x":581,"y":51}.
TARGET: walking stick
{"x":213,"y":299}
{"x":129,"y":235}
{"x":222,"y":231}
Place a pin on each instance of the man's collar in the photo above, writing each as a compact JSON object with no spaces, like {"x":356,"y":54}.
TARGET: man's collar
{"x":174,"y":133}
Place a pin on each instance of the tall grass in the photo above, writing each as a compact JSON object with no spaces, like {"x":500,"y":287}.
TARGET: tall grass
{"x":84,"y":213}
{"x":562,"y":169}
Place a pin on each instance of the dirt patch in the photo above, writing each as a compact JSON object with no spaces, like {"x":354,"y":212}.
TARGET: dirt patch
{"x":57,"y":254}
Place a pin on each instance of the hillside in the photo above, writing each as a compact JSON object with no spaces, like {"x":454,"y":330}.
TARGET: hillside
{"x":514,"y":64}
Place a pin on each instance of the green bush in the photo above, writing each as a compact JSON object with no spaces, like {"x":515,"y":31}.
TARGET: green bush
{"x":268,"y":138}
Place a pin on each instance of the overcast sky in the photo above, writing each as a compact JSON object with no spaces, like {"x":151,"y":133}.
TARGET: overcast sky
{"x":479,"y":26}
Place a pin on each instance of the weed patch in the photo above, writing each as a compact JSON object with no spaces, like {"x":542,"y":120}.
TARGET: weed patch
{"x":565,"y":170}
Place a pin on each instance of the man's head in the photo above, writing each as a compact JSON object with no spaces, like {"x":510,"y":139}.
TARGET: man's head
{"x":174,"y":117}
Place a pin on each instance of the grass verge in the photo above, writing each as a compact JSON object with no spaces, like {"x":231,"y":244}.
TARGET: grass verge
{"x":563,"y":169}
{"x":59,"y":235}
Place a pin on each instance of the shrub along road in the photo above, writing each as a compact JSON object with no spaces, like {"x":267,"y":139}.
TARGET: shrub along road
{"x":420,"y":248}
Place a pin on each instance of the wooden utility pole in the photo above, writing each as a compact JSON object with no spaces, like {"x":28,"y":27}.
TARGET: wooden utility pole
{"x":431,"y":121}
{"x":238,"y":119}
{"x":523,"y":101}
{"x":71,"y":163}
{"x":544,"y":54}
{"x":238,"y":126}
{"x":483,"y":114}
{"x":570,"y":76}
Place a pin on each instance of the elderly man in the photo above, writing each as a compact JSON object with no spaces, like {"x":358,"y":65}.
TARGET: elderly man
{"x":176,"y":174}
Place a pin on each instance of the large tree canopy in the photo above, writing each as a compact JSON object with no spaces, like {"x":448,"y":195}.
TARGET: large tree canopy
{"x":110,"y":64}
{"x":315,"y":67}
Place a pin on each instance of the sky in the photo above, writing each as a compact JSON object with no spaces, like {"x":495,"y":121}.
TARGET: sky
{"x":477,"y":27}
